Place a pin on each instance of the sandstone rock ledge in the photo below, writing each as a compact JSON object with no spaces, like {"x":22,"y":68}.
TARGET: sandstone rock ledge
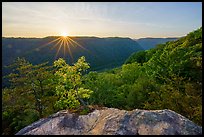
{"x":111,"y":121}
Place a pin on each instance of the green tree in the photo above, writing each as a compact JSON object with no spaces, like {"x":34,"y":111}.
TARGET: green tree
{"x":177,"y":67}
{"x":69,"y":88}
{"x":32,"y":88}
{"x":139,"y":57}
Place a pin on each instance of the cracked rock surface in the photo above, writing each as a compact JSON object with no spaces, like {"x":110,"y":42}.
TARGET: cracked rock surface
{"x":111,"y":121}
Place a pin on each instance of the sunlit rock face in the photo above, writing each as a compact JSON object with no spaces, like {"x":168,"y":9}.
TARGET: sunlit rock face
{"x":110,"y":121}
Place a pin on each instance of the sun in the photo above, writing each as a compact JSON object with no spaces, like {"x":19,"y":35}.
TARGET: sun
{"x":64,"y":34}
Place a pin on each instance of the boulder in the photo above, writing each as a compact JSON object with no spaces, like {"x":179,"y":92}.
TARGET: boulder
{"x":111,"y":121}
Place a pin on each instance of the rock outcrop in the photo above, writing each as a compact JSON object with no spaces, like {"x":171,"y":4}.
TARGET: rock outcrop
{"x":110,"y":121}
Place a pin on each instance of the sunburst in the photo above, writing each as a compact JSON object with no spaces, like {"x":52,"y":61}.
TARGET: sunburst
{"x":63,"y":43}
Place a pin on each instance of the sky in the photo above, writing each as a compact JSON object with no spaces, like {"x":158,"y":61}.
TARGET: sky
{"x":101,"y":19}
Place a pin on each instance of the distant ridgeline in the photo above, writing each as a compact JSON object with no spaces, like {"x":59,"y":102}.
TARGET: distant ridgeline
{"x":101,"y":53}
{"x":149,"y":43}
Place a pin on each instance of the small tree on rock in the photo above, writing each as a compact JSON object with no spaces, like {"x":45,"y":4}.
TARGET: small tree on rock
{"x":71,"y":94}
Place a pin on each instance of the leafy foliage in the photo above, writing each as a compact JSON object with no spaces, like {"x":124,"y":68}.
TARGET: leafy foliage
{"x":31,"y":92}
{"x":68,"y":88}
{"x":167,"y":77}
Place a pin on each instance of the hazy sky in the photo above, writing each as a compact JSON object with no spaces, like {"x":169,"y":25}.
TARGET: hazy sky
{"x":102,"y":19}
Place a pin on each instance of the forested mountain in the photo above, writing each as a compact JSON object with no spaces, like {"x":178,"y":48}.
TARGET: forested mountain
{"x":101,"y":53}
{"x":166,"y":77}
{"x":148,"y":43}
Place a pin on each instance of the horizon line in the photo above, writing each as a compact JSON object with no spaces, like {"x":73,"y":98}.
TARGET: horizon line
{"x":88,"y":36}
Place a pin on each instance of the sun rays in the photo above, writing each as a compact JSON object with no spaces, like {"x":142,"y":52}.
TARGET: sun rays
{"x":62,"y":44}
{"x":65,"y":44}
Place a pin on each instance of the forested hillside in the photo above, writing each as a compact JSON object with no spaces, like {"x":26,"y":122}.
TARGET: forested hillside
{"x":101,"y":53}
{"x":149,"y":43}
{"x":167,"y":77}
